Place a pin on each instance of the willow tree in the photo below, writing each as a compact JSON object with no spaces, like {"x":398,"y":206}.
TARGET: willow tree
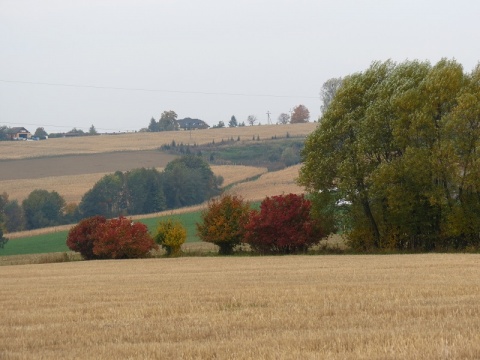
{"x":398,"y":142}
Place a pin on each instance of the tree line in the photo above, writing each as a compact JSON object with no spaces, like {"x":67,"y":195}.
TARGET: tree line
{"x":400,"y":144}
{"x":184,"y":181}
{"x":168,"y":120}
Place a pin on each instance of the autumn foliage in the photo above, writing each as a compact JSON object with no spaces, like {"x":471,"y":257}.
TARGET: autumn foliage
{"x":223,"y":222}
{"x":82,"y":236}
{"x":171,"y":235}
{"x":119,"y":238}
{"x":282,"y":226}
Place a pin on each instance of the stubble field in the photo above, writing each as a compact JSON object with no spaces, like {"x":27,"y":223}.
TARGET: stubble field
{"x":71,"y":166}
{"x":289,"y":307}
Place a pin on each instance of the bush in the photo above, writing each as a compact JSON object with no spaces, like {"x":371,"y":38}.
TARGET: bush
{"x":223,"y":222}
{"x":282,"y":226}
{"x":171,"y":235}
{"x":99,"y":238}
{"x":120,"y":238}
{"x":81,"y":237}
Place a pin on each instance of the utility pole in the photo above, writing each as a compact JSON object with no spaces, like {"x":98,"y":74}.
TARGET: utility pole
{"x":268,"y":118}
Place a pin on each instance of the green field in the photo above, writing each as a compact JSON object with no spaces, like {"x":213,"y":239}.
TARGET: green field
{"x":56,"y":242}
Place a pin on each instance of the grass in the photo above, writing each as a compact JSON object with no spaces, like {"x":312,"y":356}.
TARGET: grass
{"x":285,"y":307}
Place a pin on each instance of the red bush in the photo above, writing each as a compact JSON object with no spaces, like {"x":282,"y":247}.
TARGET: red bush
{"x":99,"y":238}
{"x":282,"y":226}
{"x":121,"y":238}
{"x":82,"y":236}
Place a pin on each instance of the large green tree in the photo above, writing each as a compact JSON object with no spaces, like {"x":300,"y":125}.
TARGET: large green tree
{"x":188,"y":181}
{"x":42,"y":209}
{"x":399,"y":142}
{"x":139,"y":191}
{"x":168,"y":121}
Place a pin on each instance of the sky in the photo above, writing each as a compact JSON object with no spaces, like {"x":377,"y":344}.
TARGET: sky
{"x":115,"y":64}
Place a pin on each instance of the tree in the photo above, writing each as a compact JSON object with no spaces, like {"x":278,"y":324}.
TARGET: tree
{"x":397,"y":143}
{"x":328,"y":91}
{"x":282,"y":226}
{"x":144,"y":191}
{"x":153,"y":126}
{"x":106,"y":198}
{"x":43,"y":209}
{"x":168,"y":121}
{"x":233,"y":122}
{"x":92,"y":130}
{"x":171,"y":235}
{"x":3,"y":203}
{"x":283,"y":119}
{"x":4,"y":132}
{"x":300,"y":114}
{"x":139,"y":191}
{"x":3,"y":240}
{"x":222,"y":223}
{"x":189,"y":181}
{"x":121,"y":238}
{"x":14,"y":217}
{"x":221,"y":124}
{"x":251,"y":120}
{"x":81,"y":238}
{"x":40,"y":133}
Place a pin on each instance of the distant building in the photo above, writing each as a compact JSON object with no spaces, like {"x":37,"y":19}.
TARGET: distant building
{"x":192,"y":124}
{"x":18,"y":133}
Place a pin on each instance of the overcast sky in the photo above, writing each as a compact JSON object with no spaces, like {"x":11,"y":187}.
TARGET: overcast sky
{"x":123,"y":61}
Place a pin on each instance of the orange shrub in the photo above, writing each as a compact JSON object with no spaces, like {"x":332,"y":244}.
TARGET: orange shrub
{"x":223,"y":222}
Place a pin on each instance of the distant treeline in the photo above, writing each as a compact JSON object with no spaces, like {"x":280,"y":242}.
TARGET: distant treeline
{"x":274,"y":154}
{"x":185,"y":181}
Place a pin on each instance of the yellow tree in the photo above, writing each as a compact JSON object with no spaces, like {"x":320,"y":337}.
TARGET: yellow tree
{"x":171,"y":235}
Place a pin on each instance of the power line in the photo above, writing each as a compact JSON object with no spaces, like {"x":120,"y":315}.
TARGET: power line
{"x":153,"y":90}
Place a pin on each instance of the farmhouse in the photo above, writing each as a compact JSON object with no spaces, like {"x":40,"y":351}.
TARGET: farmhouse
{"x":18,"y":133}
{"x":192,"y":124}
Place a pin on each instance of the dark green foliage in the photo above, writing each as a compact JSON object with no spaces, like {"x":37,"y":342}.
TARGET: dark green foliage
{"x":185,"y":181}
{"x":3,"y":132}
{"x":14,"y":218}
{"x":188,"y":181}
{"x":40,"y":133}
{"x":145,"y":191}
{"x":106,"y":198}
{"x":3,"y":240}
{"x":42,"y":209}
{"x":233,"y":122}
{"x":139,"y":191}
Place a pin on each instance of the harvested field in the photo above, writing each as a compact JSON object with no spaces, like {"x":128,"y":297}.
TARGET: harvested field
{"x":270,"y":184}
{"x":285,"y":307}
{"x":73,"y":187}
{"x":143,"y":141}
{"x":82,"y":164}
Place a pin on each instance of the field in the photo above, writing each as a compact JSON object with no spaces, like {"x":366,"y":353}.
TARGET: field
{"x":285,"y":307}
{"x":73,"y":187}
{"x":143,"y":141}
{"x":71,"y":166}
